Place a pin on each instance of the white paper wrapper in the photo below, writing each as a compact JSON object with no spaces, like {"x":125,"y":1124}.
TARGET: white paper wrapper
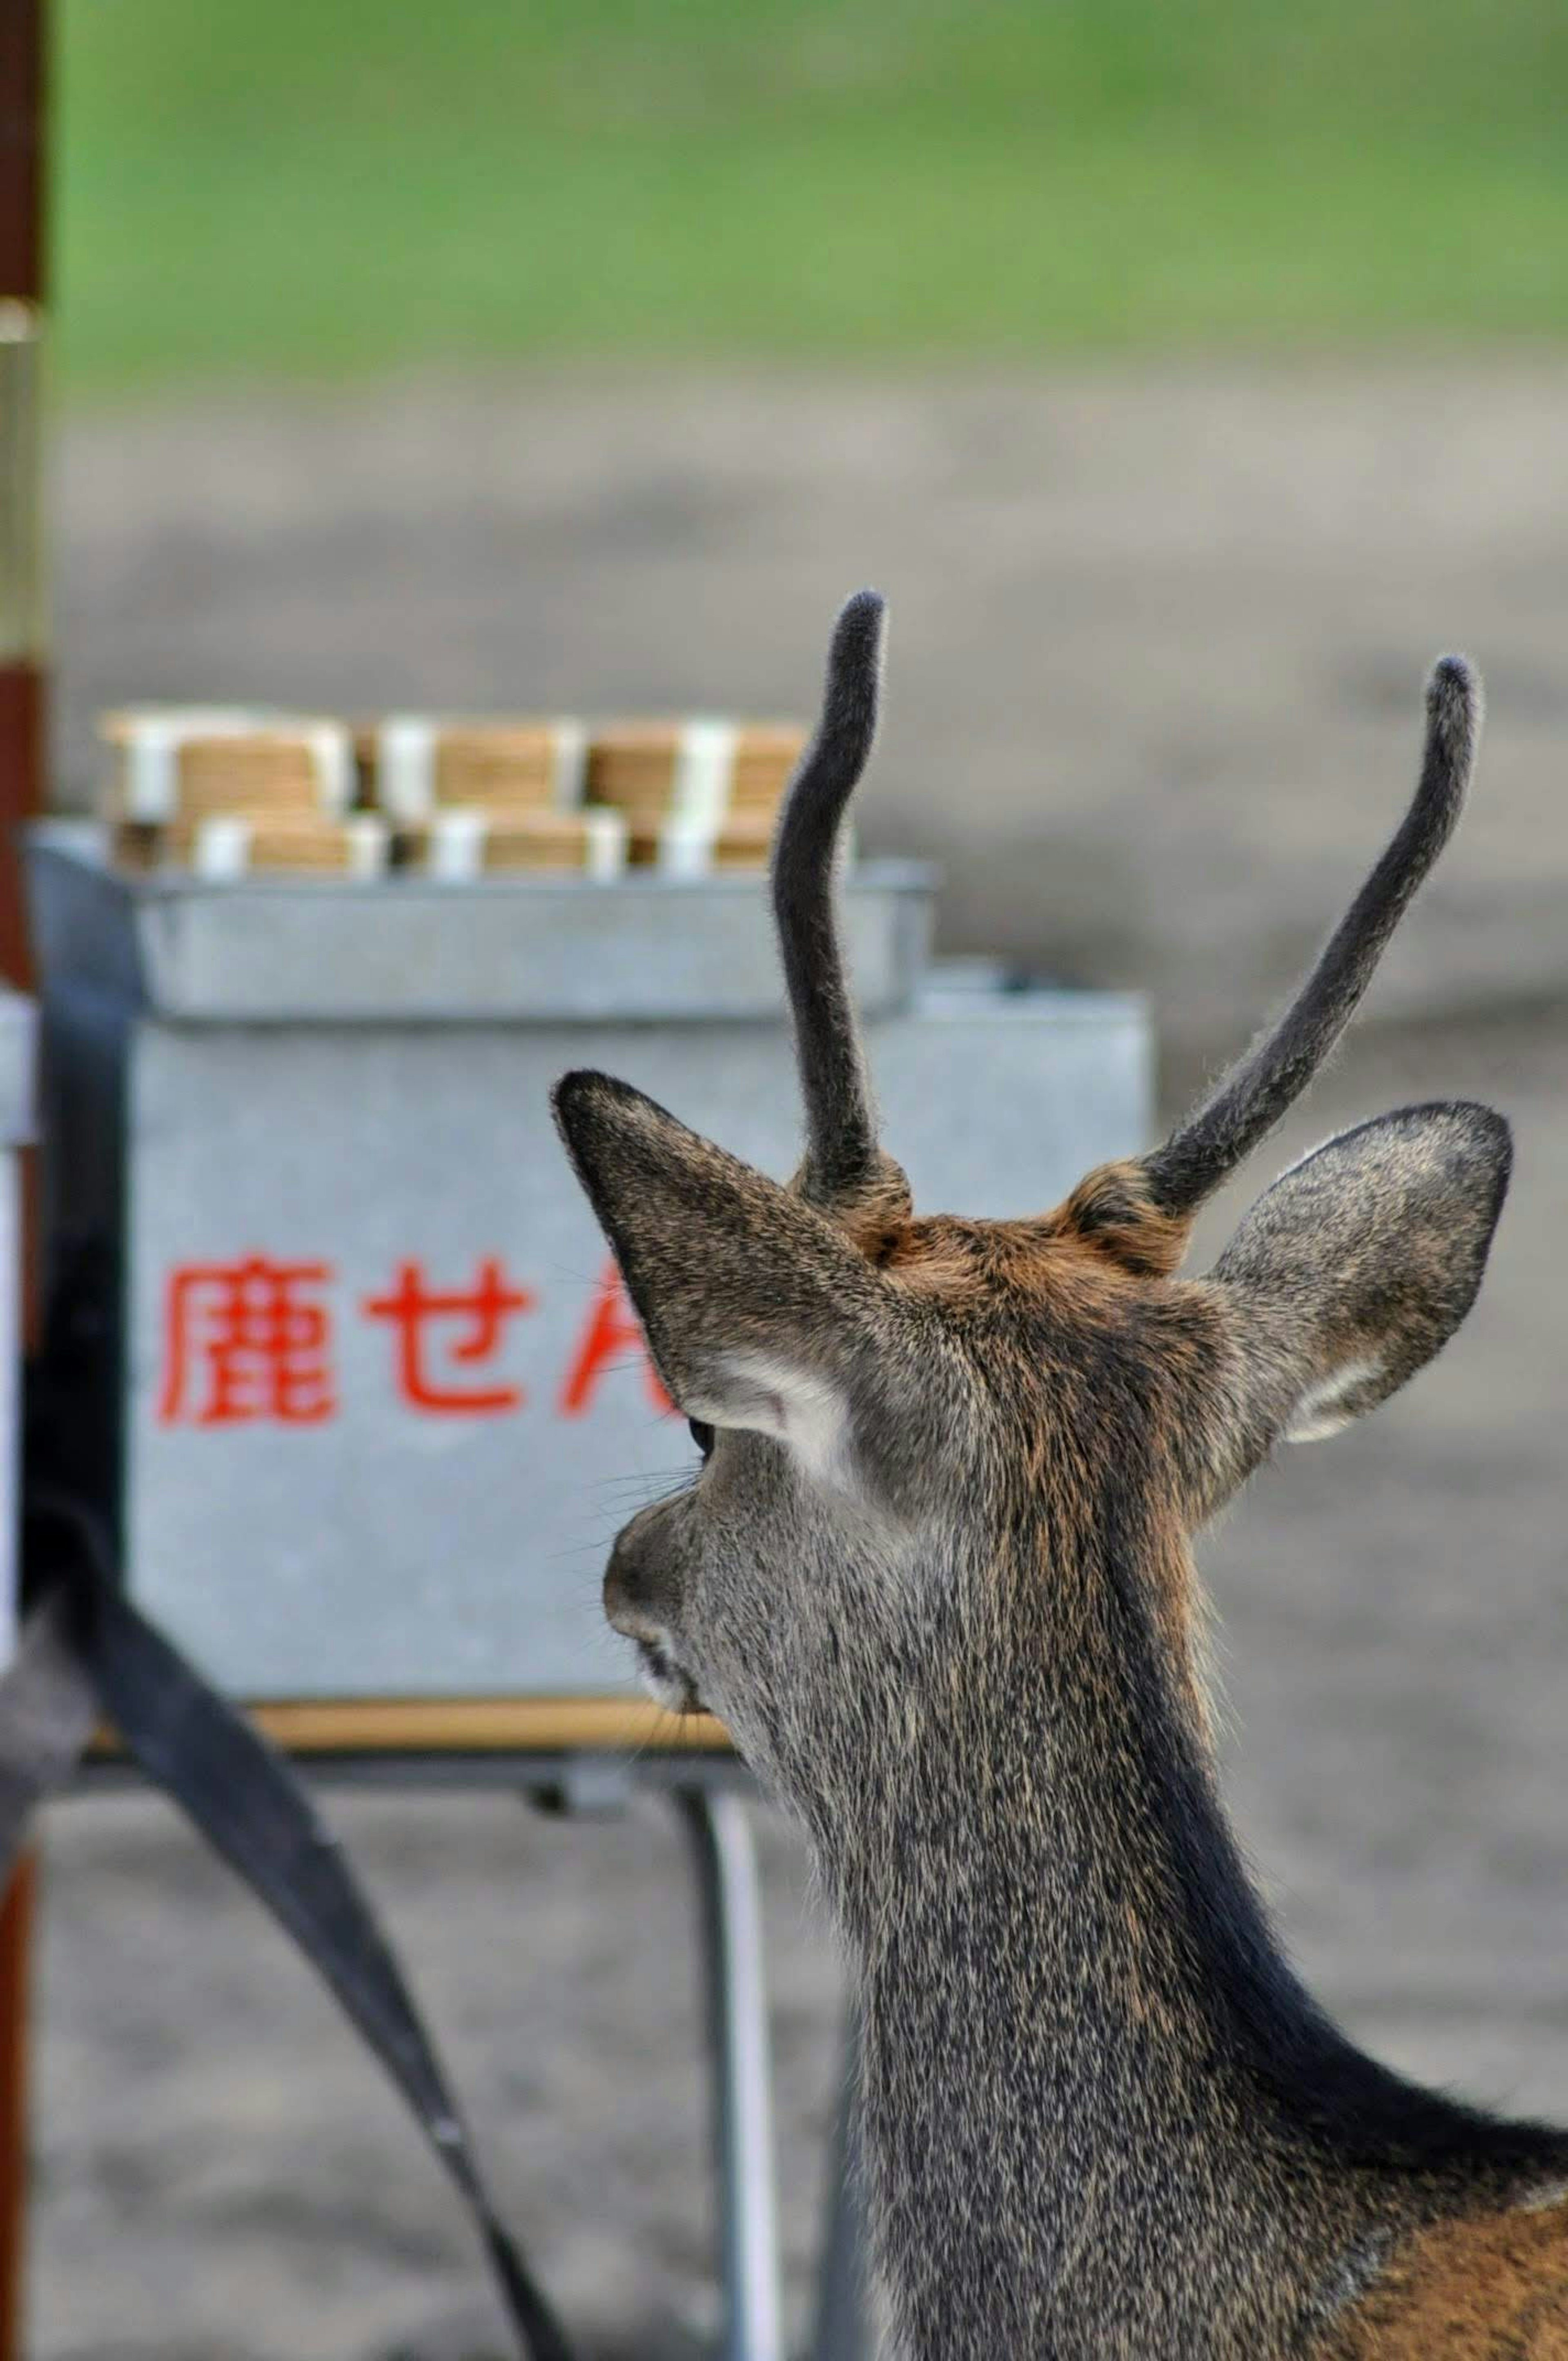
{"x":704,"y":770}
{"x":405,"y":767}
{"x":571,"y":764}
{"x":685,"y":848}
{"x":607,"y":844}
{"x":457,"y":848}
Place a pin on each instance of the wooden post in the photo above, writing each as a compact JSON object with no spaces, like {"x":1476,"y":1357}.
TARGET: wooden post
{"x":21,"y":322}
{"x":21,"y":796}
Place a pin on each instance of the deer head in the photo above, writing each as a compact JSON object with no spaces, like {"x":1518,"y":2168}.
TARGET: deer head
{"x":934,"y":1572}
{"x":882,"y":1400}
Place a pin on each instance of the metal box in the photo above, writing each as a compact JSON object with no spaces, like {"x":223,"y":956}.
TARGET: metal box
{"x":381,"y":1403}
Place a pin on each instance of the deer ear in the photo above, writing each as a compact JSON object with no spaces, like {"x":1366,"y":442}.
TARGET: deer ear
{"x":759,"y":1314}
{"x":1356,"y":1266}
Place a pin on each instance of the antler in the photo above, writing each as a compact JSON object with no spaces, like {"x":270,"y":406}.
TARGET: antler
{"x":843,"y":1165}
{"x":1204,"y":1150}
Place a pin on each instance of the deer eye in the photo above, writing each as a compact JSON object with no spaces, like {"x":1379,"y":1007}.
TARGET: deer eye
{"x":702,"y":1434}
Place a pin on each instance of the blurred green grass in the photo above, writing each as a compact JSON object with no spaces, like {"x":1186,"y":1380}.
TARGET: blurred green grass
{"x":312,"y":187}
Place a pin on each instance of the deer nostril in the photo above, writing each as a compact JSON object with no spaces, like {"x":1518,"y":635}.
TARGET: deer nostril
{"x":620,"y":1577}
{"x":640,"y":1589}
{"x":625,"y":1595}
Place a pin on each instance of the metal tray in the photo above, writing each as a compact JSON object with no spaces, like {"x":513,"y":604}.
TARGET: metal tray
{"x":288,"y":950}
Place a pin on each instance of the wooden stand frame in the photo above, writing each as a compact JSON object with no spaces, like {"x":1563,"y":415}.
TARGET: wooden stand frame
{"x":496,"y":1725}
{"x":415,"y":1728}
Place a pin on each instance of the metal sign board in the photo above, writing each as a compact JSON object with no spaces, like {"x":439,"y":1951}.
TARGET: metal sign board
{"x":385,"y":1401}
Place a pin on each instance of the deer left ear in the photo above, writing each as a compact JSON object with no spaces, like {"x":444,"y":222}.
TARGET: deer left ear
{"x":760,"y":1314}
{"x":1354,"y":1269}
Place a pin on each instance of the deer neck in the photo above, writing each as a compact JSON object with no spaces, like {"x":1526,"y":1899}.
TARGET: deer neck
{"x":1071,"y":2147}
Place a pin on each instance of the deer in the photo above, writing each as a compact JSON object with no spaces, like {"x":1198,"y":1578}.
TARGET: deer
{"x":935,"y":1572}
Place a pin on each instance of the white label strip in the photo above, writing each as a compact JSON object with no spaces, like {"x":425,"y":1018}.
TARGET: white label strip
{"x":331,"y":752}
{"x":685,"y":849}
{"x":457,"y":845}
{"x":568,"y":765}
{"x":605,"y":852}
{"x":405,"y":767}
{"x":221,"y":852}
{"x":366,"y":845}
{"x":705,"y":767}
{"x":151,"y":773}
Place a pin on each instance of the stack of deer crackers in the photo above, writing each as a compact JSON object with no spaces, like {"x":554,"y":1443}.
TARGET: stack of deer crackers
{"x":226,"y":792}
{"x":231,"y":792}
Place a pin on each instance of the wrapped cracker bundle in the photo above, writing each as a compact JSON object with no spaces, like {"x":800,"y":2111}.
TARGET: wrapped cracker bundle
{"x":227,"y":845}
{"x":685,"y":848}
{"x":455,"y":845}
{"x":701,"y":773}
{"x":419,"y":764}
{"x":179,"y":764}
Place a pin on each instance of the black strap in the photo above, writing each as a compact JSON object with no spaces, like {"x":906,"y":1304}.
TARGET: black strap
{"x":85,"y":1644}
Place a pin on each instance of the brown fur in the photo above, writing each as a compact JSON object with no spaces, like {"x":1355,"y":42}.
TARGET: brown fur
{"x":1114,"y":1209}
{"x":1492,"y":2290}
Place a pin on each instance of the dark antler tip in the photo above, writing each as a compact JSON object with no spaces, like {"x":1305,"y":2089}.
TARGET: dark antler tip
{"x":1453,"y":693}
{"x":858,"y":634}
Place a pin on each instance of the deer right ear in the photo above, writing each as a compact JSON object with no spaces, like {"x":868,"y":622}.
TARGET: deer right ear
{"x":1352,"y":1271}
{"x":759,"y":1313}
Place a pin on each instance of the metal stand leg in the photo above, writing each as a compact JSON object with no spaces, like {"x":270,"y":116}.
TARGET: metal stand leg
{"x":743,"y":2132}
{"x":843,"y":2331}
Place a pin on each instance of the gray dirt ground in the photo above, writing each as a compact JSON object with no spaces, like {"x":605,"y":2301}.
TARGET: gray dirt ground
{"x":1158,"y":642}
